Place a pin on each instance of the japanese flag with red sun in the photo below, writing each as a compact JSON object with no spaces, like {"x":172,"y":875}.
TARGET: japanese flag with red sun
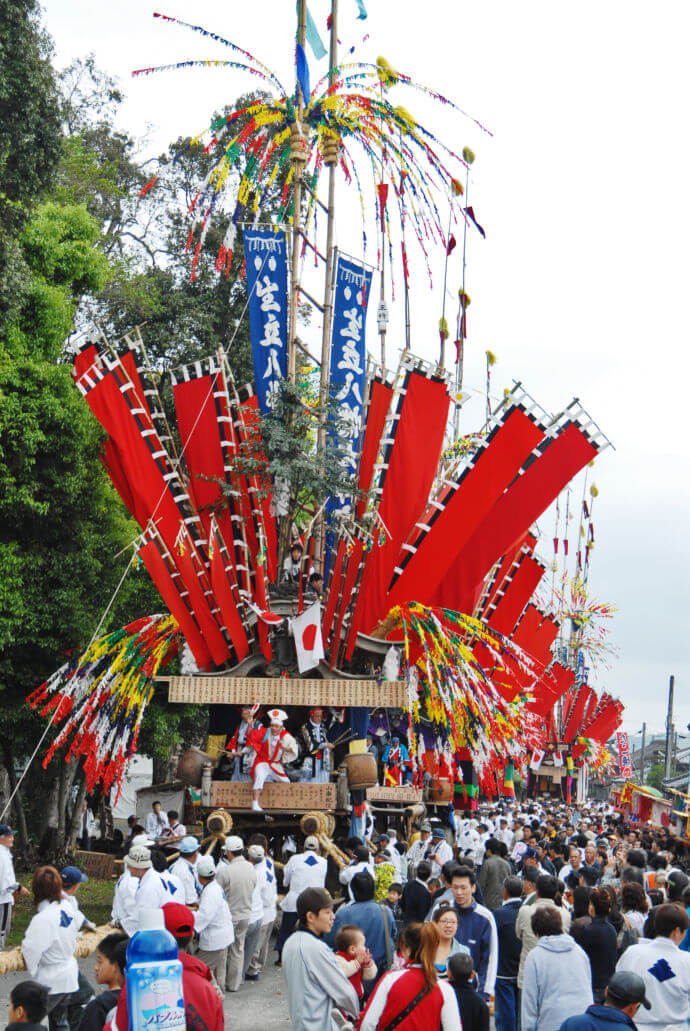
{"x":308,"y":640}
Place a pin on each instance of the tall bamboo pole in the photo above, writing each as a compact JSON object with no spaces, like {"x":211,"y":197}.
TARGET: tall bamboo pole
{"x":461,"y":319}
{"x":330,"y":153}
{"x":298,"y":155}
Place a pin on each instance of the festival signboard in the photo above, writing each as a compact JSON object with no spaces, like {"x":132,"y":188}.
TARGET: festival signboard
{"x":624,"y":757}
{"x":265,"y":252}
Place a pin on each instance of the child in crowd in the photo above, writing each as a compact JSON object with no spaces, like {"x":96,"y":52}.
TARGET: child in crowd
{"x":354,"y":957}
{"x":395,"y":891}
{"x":28,"y":1004}
{"x":111,"y":959}
{"x":474,"y":1013}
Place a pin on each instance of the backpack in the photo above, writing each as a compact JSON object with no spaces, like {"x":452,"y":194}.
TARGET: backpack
{"x":627,"y":936}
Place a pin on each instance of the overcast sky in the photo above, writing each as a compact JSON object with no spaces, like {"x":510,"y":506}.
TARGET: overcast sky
{"x":580,"y":287}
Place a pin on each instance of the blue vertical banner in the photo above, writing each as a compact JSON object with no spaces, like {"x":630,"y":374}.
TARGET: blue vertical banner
{"x":348,"y":364}
{"x":265,"y":255}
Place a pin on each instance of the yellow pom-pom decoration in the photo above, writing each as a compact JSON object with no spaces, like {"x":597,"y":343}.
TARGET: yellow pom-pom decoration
{"x":443,"y":328}
{"x":386,"y":72}
{"x":464,"y":298}
{"x":490,"y":358}
{"x":468,"y":155}
{"x":506,"y":392}
{"x":406,"y":118}
{"x":458,"y":397}
{"x":457,"y":187}
{"x":594,"y":490}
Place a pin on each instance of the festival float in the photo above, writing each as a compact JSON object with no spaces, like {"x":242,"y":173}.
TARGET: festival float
{"x":410,"y":608}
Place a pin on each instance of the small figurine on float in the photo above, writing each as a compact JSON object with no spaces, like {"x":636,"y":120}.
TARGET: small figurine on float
{"x":274,"y":747}
{"x":317,"y":750}
{"x":235,"y":747}
{"x":397,"y":768}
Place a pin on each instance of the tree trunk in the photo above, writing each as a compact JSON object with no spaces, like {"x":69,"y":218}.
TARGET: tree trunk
{"x":66,"y":779}
{"x":48,"y":845}
{"x":18,"y":801}
{"x":73,"y":824}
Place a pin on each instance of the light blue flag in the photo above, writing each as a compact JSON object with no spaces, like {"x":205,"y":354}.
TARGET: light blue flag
{"x":362,"y":9}
{"x":313,"y":38}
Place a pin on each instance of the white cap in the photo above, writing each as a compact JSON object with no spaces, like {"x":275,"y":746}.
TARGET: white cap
{"x":233,"y":844}
{"x":206,"y":867}
{"x":276,"y":715}
{"x":151,"y":920}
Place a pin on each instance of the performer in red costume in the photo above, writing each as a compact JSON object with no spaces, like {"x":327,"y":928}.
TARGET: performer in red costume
{"x":273,"y":747}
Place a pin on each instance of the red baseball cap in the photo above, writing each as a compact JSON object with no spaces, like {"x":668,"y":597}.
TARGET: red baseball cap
{"x":179,"y":919}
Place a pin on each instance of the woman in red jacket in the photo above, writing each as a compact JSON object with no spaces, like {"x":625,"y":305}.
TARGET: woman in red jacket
{"x":413,"y":999}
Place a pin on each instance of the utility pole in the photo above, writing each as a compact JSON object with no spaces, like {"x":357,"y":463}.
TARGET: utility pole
{"x":299,"y":154}
{"x":669,"y":729}
{"x":644,"y":740}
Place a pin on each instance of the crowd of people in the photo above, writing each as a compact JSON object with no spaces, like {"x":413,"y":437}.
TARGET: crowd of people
{"x":544,"y":917}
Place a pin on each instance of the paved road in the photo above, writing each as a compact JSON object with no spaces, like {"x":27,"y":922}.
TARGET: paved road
{"x":259,"y":1004}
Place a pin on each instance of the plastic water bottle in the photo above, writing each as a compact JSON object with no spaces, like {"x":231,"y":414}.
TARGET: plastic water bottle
{"x":153,"y":977}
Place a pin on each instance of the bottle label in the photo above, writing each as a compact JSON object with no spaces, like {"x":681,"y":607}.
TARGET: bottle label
{"x":156,"y":998}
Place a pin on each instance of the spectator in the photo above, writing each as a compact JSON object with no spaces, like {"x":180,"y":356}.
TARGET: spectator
{"x":557,"y":979}
{"x":374,"y":920}
{"x":48,"y":948}
{"x":203,"y":1008}
{"x":315,"y":982}
{"x":599,"y":940}
{"x":624,"y":996}
{"x":354,"y":957}
{"x":421,"y":849}
{"x":634,"y":906}
{"x":414,"y":992}
{"x":493,"y":873}
{"x":474,"y":1013}
{"x":237,"y":878}
{"x":476,"y":929}
{"x":416,"y":898}
{"x":28,"y":1006}
{"x":509,"y":948}
{"x":8,"y":882}
{"x":213,"y":922}
{"x":441,"y":851}
{"x":306,"y":870}
{"x":547,"y":889}
{"x":664,"y":969}
{"x":580,"y":916}
{"x":446,"y":920}
{"x":111,"y":959}
{"x":156,"y":821}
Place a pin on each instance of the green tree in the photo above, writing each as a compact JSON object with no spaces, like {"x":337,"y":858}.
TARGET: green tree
{"x":655,"y":776}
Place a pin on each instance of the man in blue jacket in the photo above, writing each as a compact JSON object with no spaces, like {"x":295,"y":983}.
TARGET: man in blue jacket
{"x":476,"y":929}
{"x":376,"y":922}
{"x":509,"y":948}
{"x":624,"y":996}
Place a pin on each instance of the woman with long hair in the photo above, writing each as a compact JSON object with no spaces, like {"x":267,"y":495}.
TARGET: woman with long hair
{"x":48,"y":947}
{"x":446,"y":920}
{"x":634,"y":906}
{"x":414,"y":999}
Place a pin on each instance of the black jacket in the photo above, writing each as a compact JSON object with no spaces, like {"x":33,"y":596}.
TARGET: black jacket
{"x":509,"y":945}
{"x":600,"y":942}
{"x":474,"y":1013}
{"x":93,"y":1017}
{"x":415,"y":902}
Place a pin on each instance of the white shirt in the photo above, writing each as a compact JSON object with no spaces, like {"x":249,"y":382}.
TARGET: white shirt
{"x":345,"y":876}
{"x":665,"y":971}
{"x":444,"y":852}
{"x":266,"y":878}
{"x":71,"y":901}
{"x":123,"y":899}
{"x":306,"y":870}
{"x":257,"y":913}
{"x":212,"y":920}
{"x":8,"y":880}
{"x":48,"y":947}
{"x":395,"y":858}
{"x":153,"y":825}
{"x":450,"y":1014}
{"x":186,"y":873}
{"x":154,"y":891}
